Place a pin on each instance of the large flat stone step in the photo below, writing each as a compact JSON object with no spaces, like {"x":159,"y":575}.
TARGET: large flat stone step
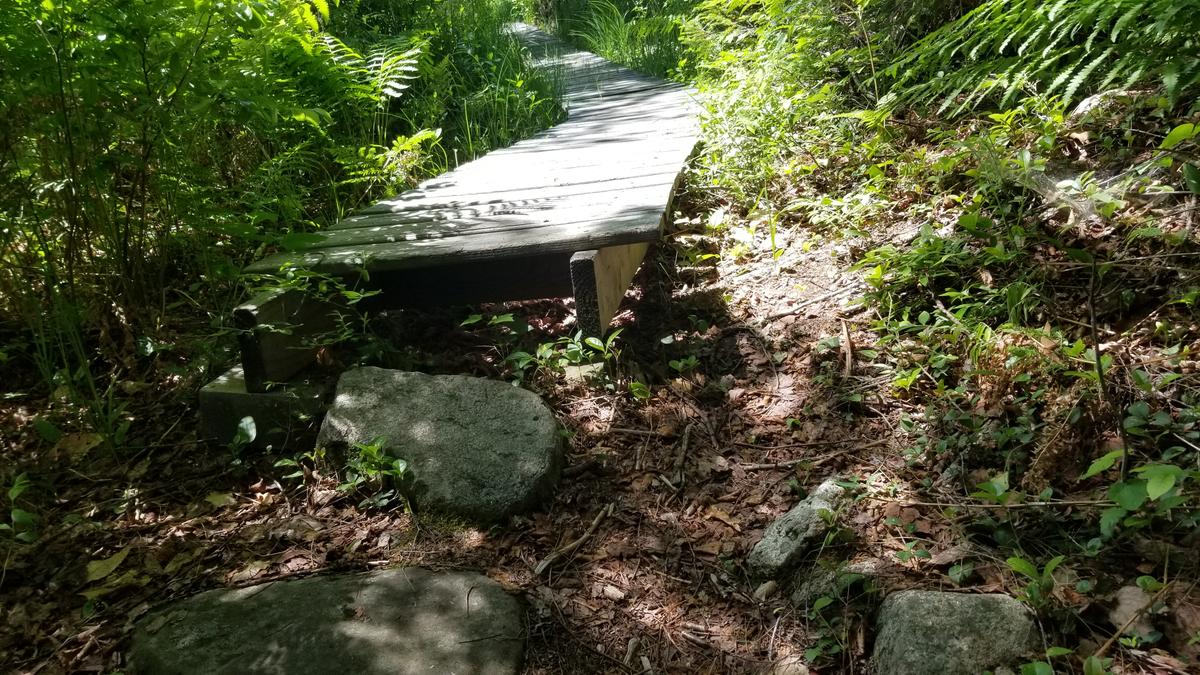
{"x":393,"y":622}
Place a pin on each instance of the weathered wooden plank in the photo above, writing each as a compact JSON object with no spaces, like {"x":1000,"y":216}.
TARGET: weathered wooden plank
{"x":625,"y":227}
{"x":279,"y":334}
{"x":599,"y":279}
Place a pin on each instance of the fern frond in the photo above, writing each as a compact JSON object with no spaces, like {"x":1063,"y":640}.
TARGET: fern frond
{"x":1102,"y":42}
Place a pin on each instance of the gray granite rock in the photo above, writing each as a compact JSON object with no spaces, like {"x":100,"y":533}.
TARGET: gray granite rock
{"x":832,"y":578}
{"x":795,"y":532}
{"x":476,"y":448}
{"x":399,"y":621}
{"x":922,"y":632}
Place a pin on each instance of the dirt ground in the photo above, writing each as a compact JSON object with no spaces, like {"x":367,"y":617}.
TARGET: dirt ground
{"x":669,"y":493}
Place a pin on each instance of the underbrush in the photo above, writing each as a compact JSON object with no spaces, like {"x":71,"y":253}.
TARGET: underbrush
{"x":1017,"y":185}
{"x":146,"y":154}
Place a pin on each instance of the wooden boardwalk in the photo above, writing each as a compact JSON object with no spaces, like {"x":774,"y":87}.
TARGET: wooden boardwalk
{"x":569,"y":211}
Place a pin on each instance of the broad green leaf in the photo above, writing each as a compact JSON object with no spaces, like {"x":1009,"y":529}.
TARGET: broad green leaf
{"x":594,"y":343}
{"x":1048,"y":570}
{"x":247,"y":431}
{"x":821,"y":603}
{"x":1181,"y":133}
{"x":1055,"y":652}
{"x":1024,"y":567}
{"x":1191,"y":177}
{"x":1095,"y":665}
{"x":20,"y":484}
{"x":1129,"y":494}
{"x":1110,"y":518}
{"x":1102,"y":464}
{"x":98,"y":569}
{"x":23,"y":518}
{"x":961,"y":572}
{"x":47,"y":430}
{"x":1160,"y":478}
{"x":1037,"y":668}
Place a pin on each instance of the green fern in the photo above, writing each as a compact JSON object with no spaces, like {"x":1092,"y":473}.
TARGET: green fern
{"x":1068,"y":48}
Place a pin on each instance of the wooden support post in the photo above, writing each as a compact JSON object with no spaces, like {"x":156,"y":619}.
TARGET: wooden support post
{"x":280,"y":333}
{"x":599,"y":279}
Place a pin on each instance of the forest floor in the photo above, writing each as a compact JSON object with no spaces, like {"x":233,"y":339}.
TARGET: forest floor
{"x":751,"y":362}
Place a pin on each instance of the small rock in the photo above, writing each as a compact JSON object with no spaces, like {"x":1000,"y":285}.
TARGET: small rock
{"x":830,"y":579}
{"x":795,"y":532}
{"x":398,"y":621}
{"x":476,"y":448}
{"x":921,"y":632}
{"x":766,"y":590}
{"x":790,"y":665}
{"x":1128,"y":603}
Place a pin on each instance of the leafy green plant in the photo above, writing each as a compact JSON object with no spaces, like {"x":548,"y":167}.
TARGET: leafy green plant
{"x":1004,"y":47}
{"x":22,"y":524}
{"x":1040,"y":583}
{"x":370,"y":468}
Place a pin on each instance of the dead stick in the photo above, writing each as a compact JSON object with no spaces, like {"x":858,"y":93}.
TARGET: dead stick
{"x":807,"y":303}
{"x":815,"y":461}
{"x":848,"y":346}
{"x":569,"y":550}
{"x":1129,"y":622}
{"x":677,"y":468}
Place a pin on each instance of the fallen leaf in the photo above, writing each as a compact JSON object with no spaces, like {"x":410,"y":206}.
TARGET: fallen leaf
{"x":98,"y":569}
{"x":250,"y":571}
{"x":76,"y":446}
{"x":219,"y":499}
{"x":719,"y":514}
{"x":712,"y":548}
{"x":613,"y":593}
{"x":127,"y":579}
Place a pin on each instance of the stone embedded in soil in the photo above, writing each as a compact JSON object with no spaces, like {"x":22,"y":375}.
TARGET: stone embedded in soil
{"x":832,"y":579}
{"x":476,"y":448}
{"x":921,"y":632}
{"x":399,"y":621}
{"x":795,"y":532}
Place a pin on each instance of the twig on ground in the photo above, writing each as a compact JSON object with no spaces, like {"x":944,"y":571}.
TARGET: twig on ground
{"x":638,"y":432}
{"x":1129,"y":622}
{"x":808,"y":303}
{"x":582,"y":467}
{"x":1101,"y":382}
{"x":848,"y":350}
{"x":677,"y":467}
{"x":630,"y":650}
{"x":809,"y":444}
{"x":948,"y":505}
{"x":566,"y":552}
{"x":815,"y":461}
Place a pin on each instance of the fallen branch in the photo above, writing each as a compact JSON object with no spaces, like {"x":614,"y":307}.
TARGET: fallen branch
{"x":568,"y":551}
{"x":1129,"y":622}
{"x":981,"y":505}
{"x":808,"y":303}
{"x":848,"y":348}
{"x":817,"y":461}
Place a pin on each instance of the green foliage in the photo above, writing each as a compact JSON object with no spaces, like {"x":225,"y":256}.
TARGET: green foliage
{"x":371,"y":469}
{"x":1041,"y":582}
{"x":645,"y":39}
{"x":148,"y":151}
{"x":1069,"y":48}
{"x":21,"y":524}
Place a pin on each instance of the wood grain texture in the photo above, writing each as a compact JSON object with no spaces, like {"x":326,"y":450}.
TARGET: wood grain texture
{"x":602,"y":178}
{"x":599,"y":279}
